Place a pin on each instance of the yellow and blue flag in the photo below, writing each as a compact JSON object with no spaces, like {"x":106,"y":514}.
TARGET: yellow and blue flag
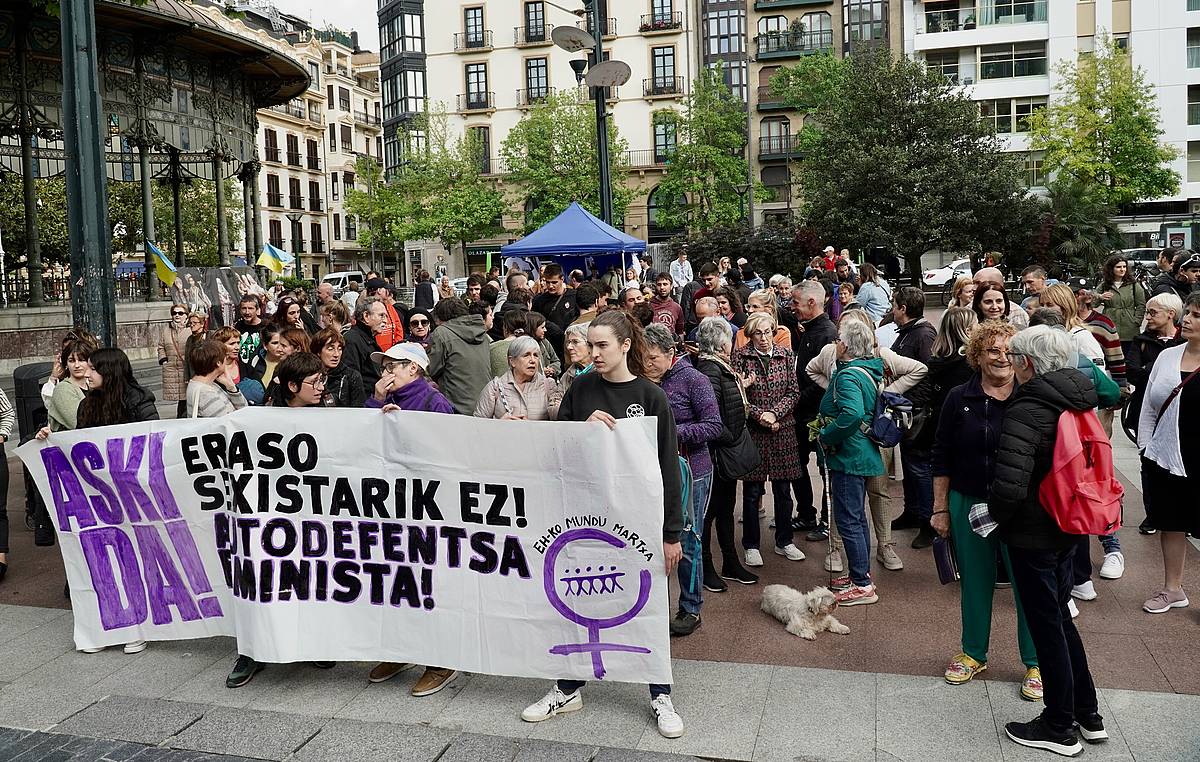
{"x":274,"y":259}
{"x":162,"y":265}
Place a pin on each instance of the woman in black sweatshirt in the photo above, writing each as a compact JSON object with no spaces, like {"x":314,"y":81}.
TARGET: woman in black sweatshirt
{"x":616,"y":389}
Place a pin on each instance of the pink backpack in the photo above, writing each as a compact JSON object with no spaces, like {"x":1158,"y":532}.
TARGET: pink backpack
{"x":1081,"y":492}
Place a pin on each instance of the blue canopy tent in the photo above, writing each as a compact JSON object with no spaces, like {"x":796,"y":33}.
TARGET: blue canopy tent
{"x":576,"y":240}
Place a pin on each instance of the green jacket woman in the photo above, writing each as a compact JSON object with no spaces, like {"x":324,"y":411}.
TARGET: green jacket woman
{"x":848,"y":402}
{"x":1126,"y":307}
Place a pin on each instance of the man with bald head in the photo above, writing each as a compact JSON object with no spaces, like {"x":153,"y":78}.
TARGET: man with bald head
{"x":707,"y":306}
{"x":1017,"y":317}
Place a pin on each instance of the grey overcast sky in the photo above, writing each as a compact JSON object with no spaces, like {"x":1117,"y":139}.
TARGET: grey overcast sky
{"x":347,"y":15}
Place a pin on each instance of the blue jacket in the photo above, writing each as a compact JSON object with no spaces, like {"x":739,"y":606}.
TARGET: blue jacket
{"x":849,"y":402}
{"x":968,"y":434}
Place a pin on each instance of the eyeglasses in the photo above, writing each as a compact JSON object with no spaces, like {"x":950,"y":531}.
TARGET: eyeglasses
{"x":390,"y":367}
{"x":760,"y":334}
{"x":417,"y":323}
{"x":318,"y":382}
{"x":177,"y":314}
{"x":996,"y":354}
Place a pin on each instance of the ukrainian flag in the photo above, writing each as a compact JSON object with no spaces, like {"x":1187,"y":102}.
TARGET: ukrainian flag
{"x":274,"y":259}
{"x":162,"y":265}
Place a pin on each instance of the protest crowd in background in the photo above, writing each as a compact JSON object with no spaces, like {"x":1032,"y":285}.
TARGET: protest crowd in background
{"x":764,"y":380}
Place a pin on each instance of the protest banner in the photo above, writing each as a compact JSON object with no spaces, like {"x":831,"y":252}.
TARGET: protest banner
{"x":503,"y":547}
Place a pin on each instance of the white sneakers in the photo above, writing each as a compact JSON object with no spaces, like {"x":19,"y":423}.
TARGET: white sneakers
{"x":833,"y":562}
{"x":753,"y":558}
{"x":136,"y":647}
{"x":1085,"y":591}
{"x":670,"y":724}
{"x":1073,"y":608}
{"x":1113,"y":566}
{"x":790,"y":552}
{"x":554,"y":702}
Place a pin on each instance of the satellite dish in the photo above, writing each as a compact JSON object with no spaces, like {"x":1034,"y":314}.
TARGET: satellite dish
{"x":572,"y":39}
{"x":608,"y":74}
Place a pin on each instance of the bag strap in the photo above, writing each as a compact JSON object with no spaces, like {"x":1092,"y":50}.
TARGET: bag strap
{"x":1171,"y":397}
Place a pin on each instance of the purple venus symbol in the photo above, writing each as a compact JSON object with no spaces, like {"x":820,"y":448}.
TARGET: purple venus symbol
{"x":591,"y":580}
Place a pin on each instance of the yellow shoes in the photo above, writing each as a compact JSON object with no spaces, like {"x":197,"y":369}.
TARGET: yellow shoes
{"x":962,"y":668}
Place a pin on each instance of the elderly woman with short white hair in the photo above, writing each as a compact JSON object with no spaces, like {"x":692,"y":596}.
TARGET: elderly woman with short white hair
{"x":850,"y":457}
{"x":523,"y":393}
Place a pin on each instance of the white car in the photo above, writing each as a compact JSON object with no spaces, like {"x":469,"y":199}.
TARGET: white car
{"x":946,"y":273}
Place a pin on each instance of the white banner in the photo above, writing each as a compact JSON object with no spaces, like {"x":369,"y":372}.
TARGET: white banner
{"x":504,"y":547}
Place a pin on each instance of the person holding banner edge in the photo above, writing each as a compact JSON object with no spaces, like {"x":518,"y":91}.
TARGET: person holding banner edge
{"x":618,"y":388}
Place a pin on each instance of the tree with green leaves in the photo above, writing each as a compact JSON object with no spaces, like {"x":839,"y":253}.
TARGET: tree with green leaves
{"x":895,"y":155}
{"x":551,"y":160}
{"x":700,"y":190}
{"x":438,"y":192}
{"x":198,"y":219}
{"x":1077,"y":232}
{"x":51,"y":220}
{"x":1104,"y":129}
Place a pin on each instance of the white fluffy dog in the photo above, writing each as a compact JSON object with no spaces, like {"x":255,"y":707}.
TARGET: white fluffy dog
{"x":803,"y":614}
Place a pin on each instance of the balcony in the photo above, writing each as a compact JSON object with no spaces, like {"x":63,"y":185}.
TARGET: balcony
{"x":362,"y":117}
{"x":1020,"y":67}
{"x":467,"y":42}
{"x":662,"y":87}
{"x":272,"y":153}
{"x":315,"y":205}
{"x":789,"y":44}
{"x":661,"y":23}
{"x":296,"y":202}
{"x":314,"y":162}
{"x":275,"y":199}
{"x":294,"y":158}
{"x":959,"y":19}
{"x":318,"y":246}
{"x":778,"y":147}
{"x":608,"y":29}
{"x":298,"y":246}
{"x":347,"y":146}
{"x":771,"y":5}
{"x":476,"y":101}
{"x":344,"y":105}
{"x":533,"y":96}
{"x":532,"y":36}
{"x":646,"y":158}
{"x":276,"y":242}
{"x":768,"y":101}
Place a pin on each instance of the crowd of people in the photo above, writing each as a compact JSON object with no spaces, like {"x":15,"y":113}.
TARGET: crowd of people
{"x":749,"y":380}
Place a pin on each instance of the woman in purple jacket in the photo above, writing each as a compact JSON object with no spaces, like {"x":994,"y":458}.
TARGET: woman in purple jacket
{"x":697,"y":422}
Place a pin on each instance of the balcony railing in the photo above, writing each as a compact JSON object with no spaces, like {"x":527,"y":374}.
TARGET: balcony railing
{"x":272,"y":153}
{"x":314,"y":162}
{"x":790,"y":44}
{"x":529,"y":36}
{"x":778,"y":146}
{"x":661,"y":22}
{"x":648,"y":157}
{"x":768,"y":100}
{"x":296,"y":202}
{"x":293,"y":158}
{"x":608,"y":27}
{"x":476,"y":101}
{"x":957,"y":19}
{"x":347,"y":146}
{"x":481,"y":40}
{"x":772,"y":5}
{"x":318,"y":246}
{"x":274,"y":199}
{"x":276,"y":242}
{"x":298,"y":246}
{"x":958,"y":74}
{"x":315,"y":205}
{"x":662,"y":86}
{"x":533,"y":95}
{"x":362,"y":117}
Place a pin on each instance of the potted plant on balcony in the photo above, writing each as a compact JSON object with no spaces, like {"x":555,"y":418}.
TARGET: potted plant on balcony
{"x":969,"y":22}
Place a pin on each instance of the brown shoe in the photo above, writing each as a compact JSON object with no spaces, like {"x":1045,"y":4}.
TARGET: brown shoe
{"x":387,"y":670}
{"x":434,"y":679}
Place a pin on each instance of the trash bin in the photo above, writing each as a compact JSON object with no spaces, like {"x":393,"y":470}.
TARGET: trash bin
{"x":31,"y":417}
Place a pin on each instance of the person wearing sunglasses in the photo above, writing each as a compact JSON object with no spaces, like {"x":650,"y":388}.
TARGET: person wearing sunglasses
{"x":420,"y":326}
{"x":171,"y":349}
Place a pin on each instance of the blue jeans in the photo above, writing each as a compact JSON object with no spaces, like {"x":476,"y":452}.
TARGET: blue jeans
{"x":850,"y":513}
{"x":691,"y":587}
{"x":752,"y":495}
{"x":918,"y":482}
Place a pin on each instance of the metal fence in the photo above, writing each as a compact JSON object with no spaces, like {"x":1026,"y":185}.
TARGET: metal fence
{"x":56,"y":289}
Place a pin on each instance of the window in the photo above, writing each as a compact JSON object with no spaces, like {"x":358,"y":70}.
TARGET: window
{"x":314,"y":154}
{"x":181,"y":100}
{"x":1193,"y":161}
{"x":271,"y":143}
{"x":1193,"y":5}
{"x":999,"y":113}
{"x":314,"y":75}
{"x":414,"y":92}
{"x":863,"y":21}
{"x":662,"y":69}
{"x":275,"y":233}
{"x":1025,"y":108}
{"x":477,"y":85}
{"x":328,"y":96}
{"x":347,"y":138}
{"x":1011,"y":11}
{"x":333,"y":137}
{"x":185,"y":139}
{"x":414,"y":33}
{"x":1193,"y":105}
{"x":1035,"y":173}
{"x":1017,"y":60}
{"x":295,"y":200}
{"x":535,"y":21}
{"x":318,"y":237}
{"x":473,"y":27}
{"x":333,"y":185}
{"x":778,"y":182}
{"x":726,"y":32}
{"x":944,"y":62}
{"x":274,"y":197}
{"x":661,"y":9}
{"x":347,"y":186}
{"x":1193,"y":48}
{"x":537,"y":78}
{"x":1121,"y":41}
{"x":351,"y":228}
{"x":337,"y":227}
{"x":666,"y":130}
{"x":481,"y":144}
{"x":293,"y":150}
{"x":343,"y":99}
{"x":769,"y":24}
{"x":314,"y":196}
{"x":819,"y":26}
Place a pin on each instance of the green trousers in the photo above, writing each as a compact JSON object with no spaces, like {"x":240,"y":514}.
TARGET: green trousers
{"x":977,"y":569}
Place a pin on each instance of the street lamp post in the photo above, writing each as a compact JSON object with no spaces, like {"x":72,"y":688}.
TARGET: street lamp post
{"x":742,"y":189}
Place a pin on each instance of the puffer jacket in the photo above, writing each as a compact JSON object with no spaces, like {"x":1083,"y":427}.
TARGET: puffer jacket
{"x":1025,"y":454}
{"x":731,"y":402}
{"x":172,"y":356}
{"x":848,"y":403}
{"x":1167,"y":283}
{"x":945,"y":373}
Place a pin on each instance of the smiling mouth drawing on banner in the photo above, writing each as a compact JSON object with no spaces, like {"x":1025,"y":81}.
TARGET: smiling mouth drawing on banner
{"x":594,"y":584}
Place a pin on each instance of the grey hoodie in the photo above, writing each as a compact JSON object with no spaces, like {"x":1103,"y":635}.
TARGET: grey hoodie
{"x":460,"y":361}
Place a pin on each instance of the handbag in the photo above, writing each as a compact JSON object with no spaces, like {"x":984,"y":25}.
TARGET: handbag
{"x":735,"y":460}
{"x":945,"y":560}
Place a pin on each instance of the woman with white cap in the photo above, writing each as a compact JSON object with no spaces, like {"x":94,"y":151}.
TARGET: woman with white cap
{"x":402,"y":384}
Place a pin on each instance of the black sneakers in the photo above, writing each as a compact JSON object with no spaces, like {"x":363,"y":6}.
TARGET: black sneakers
{"x":924,"y":538}
{"x":1036,"y":735}
{"x":1092,"y":728}
{"x":244,"y":670}
{"x":803,"y":525}
{"x":43,"y":534}
{"x":713,"y":582}
{"x":1146,"y":527}
{"x":684,"y":623}
{"x":739,"y":573}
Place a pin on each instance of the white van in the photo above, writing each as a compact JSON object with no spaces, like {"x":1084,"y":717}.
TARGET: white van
{"x":341,"y":280}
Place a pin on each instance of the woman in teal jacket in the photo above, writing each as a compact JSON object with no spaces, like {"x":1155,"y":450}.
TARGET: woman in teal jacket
{"x":850,"y":457}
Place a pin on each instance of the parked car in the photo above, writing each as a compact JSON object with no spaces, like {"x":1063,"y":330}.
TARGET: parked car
{"x":341,"y":280}
{"x":940,"y":276}
{"x":1147,"y":257}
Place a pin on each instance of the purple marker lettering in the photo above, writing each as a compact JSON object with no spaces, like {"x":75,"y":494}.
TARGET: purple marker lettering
{"x":96,"y":544}
{"x":193,"y":567}
{"x":164,"y":586}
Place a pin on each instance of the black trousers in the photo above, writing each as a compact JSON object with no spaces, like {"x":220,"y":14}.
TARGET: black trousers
{"x":1044,"y":579}
{"x":806,"y":505}
{"x":3,"y":500}
{"x":721,"y":502}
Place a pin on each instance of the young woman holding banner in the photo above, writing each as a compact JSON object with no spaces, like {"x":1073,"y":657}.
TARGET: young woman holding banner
{"x":616,"y":389}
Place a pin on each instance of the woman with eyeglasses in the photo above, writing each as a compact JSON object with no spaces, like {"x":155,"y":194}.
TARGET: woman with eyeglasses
{"x":172,"y":358}
{"x":420,"y":326}
{"x":299,"y":382}
{"x":964,"y":460}
{"x":579,"y":358}
{"x":343,"y":384}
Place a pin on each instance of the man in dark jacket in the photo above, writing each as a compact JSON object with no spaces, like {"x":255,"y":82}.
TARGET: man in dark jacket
{"x":370,"y":316}
{"x":426,"y":295}
{"x":460,"y":355}
{"x":914,"y":340}
{"x":1042,"y":555}
{"x":557,"y":305}
{"x":814,"y":331}
{"x":1181,"y":280}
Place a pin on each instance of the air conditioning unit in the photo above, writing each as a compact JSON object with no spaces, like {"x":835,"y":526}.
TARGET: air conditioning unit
{"x":1194,"y":207}
{"x":968,"y":80}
